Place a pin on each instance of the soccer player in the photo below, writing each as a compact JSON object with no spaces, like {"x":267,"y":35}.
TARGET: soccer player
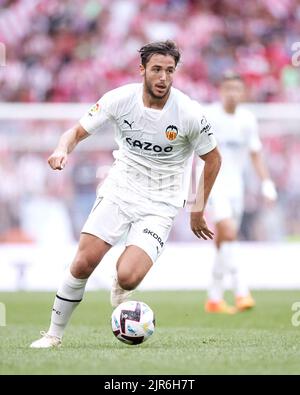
{"x":237,"y":134}
{"x":157,"y":130}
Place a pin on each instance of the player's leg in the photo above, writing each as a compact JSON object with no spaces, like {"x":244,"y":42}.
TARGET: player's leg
{"x":244,"y":300}
{"x":225,"y":234}
{"x":90,"y":252}
{"x":227,"y":261}
{"x":103,"y":228}
{"x":221,"y":214}
{"x":145,"y":242}
{"x":132,"y":266}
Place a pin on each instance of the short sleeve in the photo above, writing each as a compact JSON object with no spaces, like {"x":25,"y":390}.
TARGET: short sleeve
{"x":254,"y":142}
{"x":98,"y":116}
{"x":201,"y":135}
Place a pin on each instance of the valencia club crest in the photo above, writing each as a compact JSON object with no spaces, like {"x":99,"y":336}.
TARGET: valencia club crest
{"x":171,"y":132}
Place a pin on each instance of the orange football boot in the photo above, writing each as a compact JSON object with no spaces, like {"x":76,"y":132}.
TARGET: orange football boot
{"x":220,"y":307}
{"x":244,"y":302}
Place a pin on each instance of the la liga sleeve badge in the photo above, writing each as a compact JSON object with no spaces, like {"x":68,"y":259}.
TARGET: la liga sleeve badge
{"x":93,"y":110}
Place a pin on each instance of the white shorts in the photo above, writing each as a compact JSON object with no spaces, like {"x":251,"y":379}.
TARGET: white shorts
{"x":223,"y":206}
{"x":112,"y":221}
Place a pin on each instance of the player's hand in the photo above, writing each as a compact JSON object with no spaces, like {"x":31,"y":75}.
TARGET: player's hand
{"x":199,"y":226}
{"x":269,"y":192}
{"x":58,"y":160}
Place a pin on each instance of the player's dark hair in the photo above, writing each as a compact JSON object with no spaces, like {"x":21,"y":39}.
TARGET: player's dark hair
{"x":159,"y":47}
{"x":231,"y":75}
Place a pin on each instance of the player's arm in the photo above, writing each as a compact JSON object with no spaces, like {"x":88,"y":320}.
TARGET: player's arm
{"x":255,"y":149}
{"x":66,"y":145}
{"x":267,"y":186}
{"x":209,"y":174}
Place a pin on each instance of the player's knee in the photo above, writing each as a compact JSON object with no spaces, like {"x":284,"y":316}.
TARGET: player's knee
{"x":128,"y":281}
{"x":228,"y":235}
{"x":82,"y":267}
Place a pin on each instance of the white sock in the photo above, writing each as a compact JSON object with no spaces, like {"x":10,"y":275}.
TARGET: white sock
{"x":68,"y":296}
{"x":230,"y":262}
{"x":216,"y":290}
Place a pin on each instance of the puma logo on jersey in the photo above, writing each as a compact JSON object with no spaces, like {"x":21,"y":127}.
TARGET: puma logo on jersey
{"x":128,"y":123}
{"x":146,"y":146}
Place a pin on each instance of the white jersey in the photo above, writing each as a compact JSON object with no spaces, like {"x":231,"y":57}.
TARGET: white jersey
{"x":155,"y":146}
{"x":237,"y":135}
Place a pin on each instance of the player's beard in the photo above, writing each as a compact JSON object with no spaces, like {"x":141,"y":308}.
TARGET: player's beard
{"x":150,"y":91}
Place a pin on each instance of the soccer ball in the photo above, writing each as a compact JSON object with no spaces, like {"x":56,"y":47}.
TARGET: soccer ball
{"x":133,"y":322}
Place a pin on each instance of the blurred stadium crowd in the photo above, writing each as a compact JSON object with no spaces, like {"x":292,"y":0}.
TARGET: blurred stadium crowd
{"x":74,"y":51}
{"x":57,"y":49}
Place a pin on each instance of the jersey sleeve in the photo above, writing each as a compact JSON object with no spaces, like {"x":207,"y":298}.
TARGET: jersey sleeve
{"x":201,"y":135}
{"x":254,"y":142}
{"x":99,"y":115}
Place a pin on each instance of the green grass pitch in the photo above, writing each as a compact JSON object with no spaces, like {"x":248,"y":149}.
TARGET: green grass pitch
{"x":186,"y":340}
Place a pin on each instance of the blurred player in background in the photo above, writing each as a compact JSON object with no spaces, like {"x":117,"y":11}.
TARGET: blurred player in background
{"x":157,"y":130}
{"x":236,"y":130}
